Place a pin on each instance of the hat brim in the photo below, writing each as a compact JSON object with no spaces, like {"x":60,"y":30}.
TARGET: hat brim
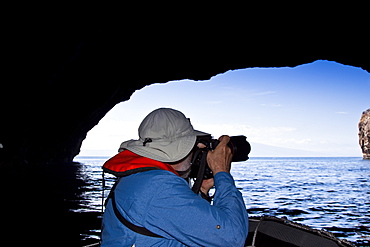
{"x":164,"y":151}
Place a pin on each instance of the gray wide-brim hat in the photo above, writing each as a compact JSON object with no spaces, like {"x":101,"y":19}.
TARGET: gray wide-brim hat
{"x":165,"y":135}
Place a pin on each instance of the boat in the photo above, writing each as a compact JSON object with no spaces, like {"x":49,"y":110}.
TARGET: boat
{"x":269,"y":231}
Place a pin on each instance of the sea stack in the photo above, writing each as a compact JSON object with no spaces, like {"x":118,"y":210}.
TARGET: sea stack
{"x":364,"y":134}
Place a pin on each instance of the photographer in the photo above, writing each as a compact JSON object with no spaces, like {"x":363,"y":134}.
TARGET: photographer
{"x":151,"y":205}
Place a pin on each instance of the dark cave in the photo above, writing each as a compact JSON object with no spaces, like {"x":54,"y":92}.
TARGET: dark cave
{"x":61,"y":81}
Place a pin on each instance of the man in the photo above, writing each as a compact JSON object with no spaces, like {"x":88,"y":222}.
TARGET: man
{"x":152,"y":205}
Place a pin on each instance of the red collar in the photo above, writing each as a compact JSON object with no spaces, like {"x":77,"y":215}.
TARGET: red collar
{"x":126,"y":163}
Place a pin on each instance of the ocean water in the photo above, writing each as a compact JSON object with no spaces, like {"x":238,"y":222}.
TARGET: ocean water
{"x":324,"y":193}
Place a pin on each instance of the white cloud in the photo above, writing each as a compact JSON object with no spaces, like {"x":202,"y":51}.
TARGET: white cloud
{"x":109,"y":134}
{"x":215,"y":102}
{"x":272,"y":105}
{"x":261,"y":134}
{"x":291,"y":141}
{"x":264,"y":93}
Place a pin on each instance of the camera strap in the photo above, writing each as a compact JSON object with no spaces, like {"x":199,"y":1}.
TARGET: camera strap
{"x":129,"y":225}
{"x":202,"y":167}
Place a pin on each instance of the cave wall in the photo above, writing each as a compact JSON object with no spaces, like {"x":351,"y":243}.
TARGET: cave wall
{"x":61,"y":81}
{"x":61,"y":77}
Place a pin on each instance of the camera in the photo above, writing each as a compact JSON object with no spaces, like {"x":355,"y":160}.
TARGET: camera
{"x":200,"y":170}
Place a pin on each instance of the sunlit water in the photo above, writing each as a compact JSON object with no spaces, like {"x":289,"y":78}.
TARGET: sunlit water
{"x":329,"y":193}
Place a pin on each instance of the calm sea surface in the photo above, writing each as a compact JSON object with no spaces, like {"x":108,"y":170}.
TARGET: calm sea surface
{"x":329,"y":193}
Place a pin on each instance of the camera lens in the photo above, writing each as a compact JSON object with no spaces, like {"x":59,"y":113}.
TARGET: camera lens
{"x":240,"y":148}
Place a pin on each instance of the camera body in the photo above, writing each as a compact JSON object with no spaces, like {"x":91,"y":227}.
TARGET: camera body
{"x":239,"y":146}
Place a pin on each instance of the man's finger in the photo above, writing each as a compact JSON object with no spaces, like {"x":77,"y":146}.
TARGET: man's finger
{"x":224,"y":139}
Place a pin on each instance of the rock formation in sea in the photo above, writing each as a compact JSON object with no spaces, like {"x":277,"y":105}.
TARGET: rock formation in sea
{"x":364,"y":133}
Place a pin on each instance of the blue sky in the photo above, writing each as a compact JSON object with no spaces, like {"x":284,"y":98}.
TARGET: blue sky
{"x":309,"y":110}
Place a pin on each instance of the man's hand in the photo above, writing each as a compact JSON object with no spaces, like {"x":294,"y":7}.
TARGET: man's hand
{"x":219,"y":160}
{"x":207,"y":184}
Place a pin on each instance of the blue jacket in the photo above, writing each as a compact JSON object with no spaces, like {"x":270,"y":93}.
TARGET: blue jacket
{"x":163,"y":203}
